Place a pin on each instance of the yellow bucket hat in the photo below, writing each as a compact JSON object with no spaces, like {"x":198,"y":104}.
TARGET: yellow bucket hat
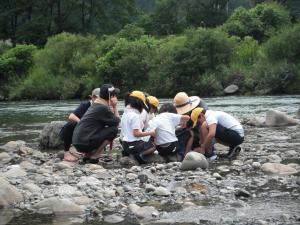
{"x":153,"y":101}
{"x":195,"y":114}
{"x":140,"y":95}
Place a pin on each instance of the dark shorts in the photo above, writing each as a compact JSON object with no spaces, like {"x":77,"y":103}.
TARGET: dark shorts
{"x":136,"y":147}
{"x":228,"y":137}
{"x":107,"y":133}
{"x":66,"y":134}
{"x":168,"y":149}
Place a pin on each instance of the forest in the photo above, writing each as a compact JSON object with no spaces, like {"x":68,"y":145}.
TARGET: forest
{"x":62,"y":49}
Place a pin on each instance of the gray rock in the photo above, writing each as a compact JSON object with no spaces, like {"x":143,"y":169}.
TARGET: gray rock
{"x":277,"y":118}
{"x":298,"y":113}
{"x":278,"y":169}
{"x":49,"y":137}
{"x":15,"y":171}
{"x":161,"y":191}
{"x":83,"y":200}
{"x":231,"y":89}
{"x":257,"y":122}
{"x":242,"y":193}
{"x":274,"y":158}
{"x":4,"y":158}
{"x":149,"y":187}
{"x":32,"y":188}
{"x":8,"y":193}
{"x":127,"y":161}
{"x":194,"y":160}
{"x":154,"y":158}
{"x":113,"y":219}
{"x":60,"y":206}
{"x":13,"y":146}
{"x":256,"y":165}
{"x":143,"y":212}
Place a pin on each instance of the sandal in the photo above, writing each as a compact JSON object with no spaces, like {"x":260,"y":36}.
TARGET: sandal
{"x":69,"y":157}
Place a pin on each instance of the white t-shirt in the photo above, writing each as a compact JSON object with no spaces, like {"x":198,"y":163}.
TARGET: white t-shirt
{"x":131,"y":120}
{"x":224,"y":119}
{"x":145,"y":117}
{"x":165,"y":127}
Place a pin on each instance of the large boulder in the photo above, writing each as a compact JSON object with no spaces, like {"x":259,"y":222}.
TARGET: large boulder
{"x":49,"y":137}
{"x":278,"y":169}
{"x":194,"y":160}
{"x":231,"y":89}
{"x":8,"y":193}
{"x":277,"y":118}
{"x":60,"y":206}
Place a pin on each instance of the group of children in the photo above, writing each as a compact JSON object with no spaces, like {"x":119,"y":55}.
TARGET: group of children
{"x":172,"y":129}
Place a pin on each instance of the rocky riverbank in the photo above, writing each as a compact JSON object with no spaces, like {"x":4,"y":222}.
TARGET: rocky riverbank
{"x":260,"y":187}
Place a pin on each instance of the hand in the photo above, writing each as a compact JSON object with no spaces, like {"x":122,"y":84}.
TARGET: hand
{"x":113,"y":101}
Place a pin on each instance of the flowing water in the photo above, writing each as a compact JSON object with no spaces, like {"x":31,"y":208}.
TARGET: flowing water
{"x":24,"y":120}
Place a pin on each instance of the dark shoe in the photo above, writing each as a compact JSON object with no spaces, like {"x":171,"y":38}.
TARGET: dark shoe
{"x":89,"y":160}
{"x":140,"y":159}
{"x":234,"y":152}
{"x":211,"y":156}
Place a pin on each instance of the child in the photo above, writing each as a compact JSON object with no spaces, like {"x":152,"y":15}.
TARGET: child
{"x":147,"y":115}
{"x":166,"y":122}
{"x":131,"y":127}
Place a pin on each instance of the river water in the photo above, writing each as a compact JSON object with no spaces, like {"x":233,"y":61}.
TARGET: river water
{"x":24,"y":120}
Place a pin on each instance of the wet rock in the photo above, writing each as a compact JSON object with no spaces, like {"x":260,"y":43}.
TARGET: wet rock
{"x":278,"y":169}
{"x":113,"y":219}
{"x":8,"y":193}
{"x":49,"y":137}
{"x":143,"y":212}
{"x":4,"y":158}
{"x":161,"y":191}
{"x":231,"y":89}
{"x":277,"y":118}
{"x":60,"y":206}
{"x":194,"y":160}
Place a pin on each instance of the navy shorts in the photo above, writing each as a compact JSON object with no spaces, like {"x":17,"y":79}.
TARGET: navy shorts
{"x":136,"y":147}
{"x":168,"y":149}
{"x":228,"y":136}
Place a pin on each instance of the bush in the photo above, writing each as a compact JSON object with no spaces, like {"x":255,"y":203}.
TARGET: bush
{"x":260,"y":22}
{"x":126,"y":64}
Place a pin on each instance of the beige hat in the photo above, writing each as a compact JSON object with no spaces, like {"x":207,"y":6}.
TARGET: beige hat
{"x":95,"y":92}
{"x":184,"y":103}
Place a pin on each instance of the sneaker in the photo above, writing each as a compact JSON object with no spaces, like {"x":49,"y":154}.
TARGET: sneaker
{"x":140,"y":158}
{"x":211,"y":156}
{"x":234,"y":152}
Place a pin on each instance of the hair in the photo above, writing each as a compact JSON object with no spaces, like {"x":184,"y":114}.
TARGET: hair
{"x":167,"y":107}
{"x":134,"y":102}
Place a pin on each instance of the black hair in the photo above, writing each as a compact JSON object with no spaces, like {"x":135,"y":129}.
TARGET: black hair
{"x":134,"y":102}
{"x":167,"y":107}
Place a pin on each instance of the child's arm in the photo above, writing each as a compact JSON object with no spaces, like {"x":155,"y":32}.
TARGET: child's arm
{"x":139,"y":133}
{"x":183,"y":120}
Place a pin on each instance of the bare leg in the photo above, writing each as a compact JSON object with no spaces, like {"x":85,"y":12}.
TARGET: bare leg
{"x":189,"y":143}
{"x":96,"y":154}
{"x":149,"y":151}
{"x":204,"y":132}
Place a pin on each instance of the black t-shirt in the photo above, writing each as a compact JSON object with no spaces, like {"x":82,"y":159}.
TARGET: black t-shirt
{"x":82,"y":108}
{"x":94,"y":120}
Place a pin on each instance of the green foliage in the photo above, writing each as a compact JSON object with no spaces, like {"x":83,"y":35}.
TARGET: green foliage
{"x":260,"y":22}
{"x":131,"y":32}
{"x":285,"y":45}
{"x":126,"y":64}
{"x":185,"y":59}
{"x":16,"y":62}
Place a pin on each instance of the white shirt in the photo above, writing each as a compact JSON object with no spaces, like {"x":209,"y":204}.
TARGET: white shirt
{"x":145,"y":117}
{"x":224,"y":119}
{"x":165,"y":127}
{"x":131,"y":120}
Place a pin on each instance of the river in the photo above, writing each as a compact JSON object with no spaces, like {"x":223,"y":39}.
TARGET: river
{"x":24,"y":120}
